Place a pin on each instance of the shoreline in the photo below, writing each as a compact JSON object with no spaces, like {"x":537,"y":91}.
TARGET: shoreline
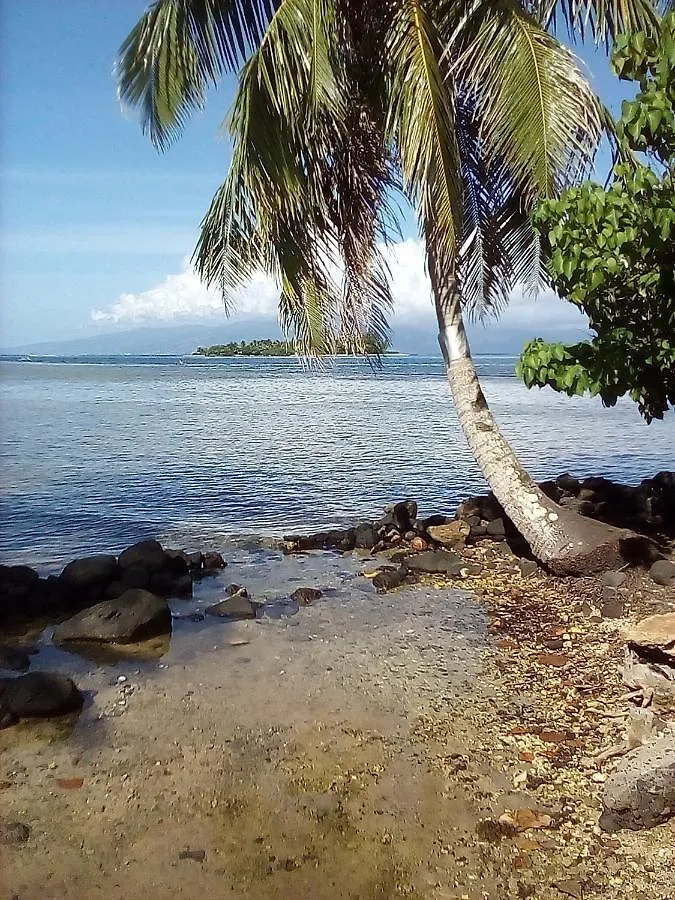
{"x":434,"y":741}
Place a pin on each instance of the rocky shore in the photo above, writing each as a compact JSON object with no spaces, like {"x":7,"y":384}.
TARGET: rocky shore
{"x":590,"y":756}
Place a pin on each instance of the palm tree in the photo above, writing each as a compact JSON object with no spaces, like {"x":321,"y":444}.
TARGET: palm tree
{"x":473,"y":110}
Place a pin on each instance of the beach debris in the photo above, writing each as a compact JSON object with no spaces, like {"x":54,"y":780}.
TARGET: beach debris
{"x":70,"y":784}
{"x":195,"y":855}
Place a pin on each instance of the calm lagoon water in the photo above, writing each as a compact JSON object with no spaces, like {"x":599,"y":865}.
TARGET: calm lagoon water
{"x":100,"y":452}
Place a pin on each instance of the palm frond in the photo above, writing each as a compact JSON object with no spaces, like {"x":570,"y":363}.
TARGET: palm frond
{"x":421,"y":123}
{"x":538,"y":113}
{"x":177,"y":50}
{"x":306,"y":198}
{"x":604,"y":19}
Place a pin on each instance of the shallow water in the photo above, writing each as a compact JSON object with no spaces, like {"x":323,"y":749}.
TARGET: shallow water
{"x":281,"y":749}
{"x":98,"y":455}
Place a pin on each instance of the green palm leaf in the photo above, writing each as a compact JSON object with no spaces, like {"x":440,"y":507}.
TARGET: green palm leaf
{"x":177,"y":50}
{"x":421,"y":122}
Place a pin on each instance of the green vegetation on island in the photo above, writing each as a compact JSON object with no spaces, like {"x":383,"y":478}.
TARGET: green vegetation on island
{"x":269,"y":347}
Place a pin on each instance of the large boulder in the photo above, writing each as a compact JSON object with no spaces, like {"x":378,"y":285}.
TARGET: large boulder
{"x":89,"y":572}
{"x":640,"y":793}
{"x":39,"y":694}
{"x":148,"y":555}
{"x":134,"y":616}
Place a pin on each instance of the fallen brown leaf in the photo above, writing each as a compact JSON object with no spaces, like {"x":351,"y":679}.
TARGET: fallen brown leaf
{"x":70,"y":784}
{"x":553,"y":659}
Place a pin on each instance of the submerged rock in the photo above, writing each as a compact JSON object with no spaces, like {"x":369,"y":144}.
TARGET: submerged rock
{"x":236,"y":607}
{"x":39,"y":694}
{"x":148,"y":555}
{"x":134,"y":616}
{"x":441,"y":562}
{"x":641,"y":792}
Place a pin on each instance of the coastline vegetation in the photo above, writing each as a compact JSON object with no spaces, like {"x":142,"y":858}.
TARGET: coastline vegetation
{"x":270,"y":347}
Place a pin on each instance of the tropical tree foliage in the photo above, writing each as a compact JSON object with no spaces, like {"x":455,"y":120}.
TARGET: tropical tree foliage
{"x":472,"y":108}
{"x":612,"y":251}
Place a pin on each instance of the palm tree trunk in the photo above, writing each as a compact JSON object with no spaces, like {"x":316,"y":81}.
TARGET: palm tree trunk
{"x":564,"y":541}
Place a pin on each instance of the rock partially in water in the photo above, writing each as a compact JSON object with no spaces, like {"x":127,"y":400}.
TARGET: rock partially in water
{"x":388,"y":579}
{"x":148,"y":555}
{"x":641,"y":792}
{"x":365,"y":536}
{"x":134,"y":616}
{"x":89,"y":572}
{"x":13,"y":659}
{"x":212,"y":563}
{"x":39,"y":694}
{"x":304,"y":596}
{"x":442,"y":562}
{"x":236,"y":607}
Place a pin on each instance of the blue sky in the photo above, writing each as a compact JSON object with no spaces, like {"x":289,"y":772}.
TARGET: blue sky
{"x":96,"y":226}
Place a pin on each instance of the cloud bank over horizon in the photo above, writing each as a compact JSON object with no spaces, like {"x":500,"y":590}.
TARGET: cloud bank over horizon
{"x":182,"y":298}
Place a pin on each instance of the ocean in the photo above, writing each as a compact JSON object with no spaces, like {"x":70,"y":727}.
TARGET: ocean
{"x":99,"y":452}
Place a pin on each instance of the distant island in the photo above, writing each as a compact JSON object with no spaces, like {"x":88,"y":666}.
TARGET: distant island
{"x":270,"y":347}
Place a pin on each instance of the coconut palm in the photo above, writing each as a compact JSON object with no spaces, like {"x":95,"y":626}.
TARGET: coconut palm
{"x":472,"y":110}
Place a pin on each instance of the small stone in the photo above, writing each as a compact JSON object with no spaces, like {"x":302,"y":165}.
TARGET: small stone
{"x":553,"y":659}
{"x":612,"y":608}
{"x":527,"y":567}
{"x":613,"y":579}
{"x":14,"y":833}
{"x":306,"y":595}
{"x":418,"y":544}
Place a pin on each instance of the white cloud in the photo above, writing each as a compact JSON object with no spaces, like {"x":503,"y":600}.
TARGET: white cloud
{"x":182,"y":297}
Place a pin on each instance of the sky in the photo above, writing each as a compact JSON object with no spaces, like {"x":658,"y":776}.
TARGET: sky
{"x":96,"y":227}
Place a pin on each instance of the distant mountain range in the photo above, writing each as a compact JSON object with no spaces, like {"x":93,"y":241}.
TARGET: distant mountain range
{"x":180,"y":340}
